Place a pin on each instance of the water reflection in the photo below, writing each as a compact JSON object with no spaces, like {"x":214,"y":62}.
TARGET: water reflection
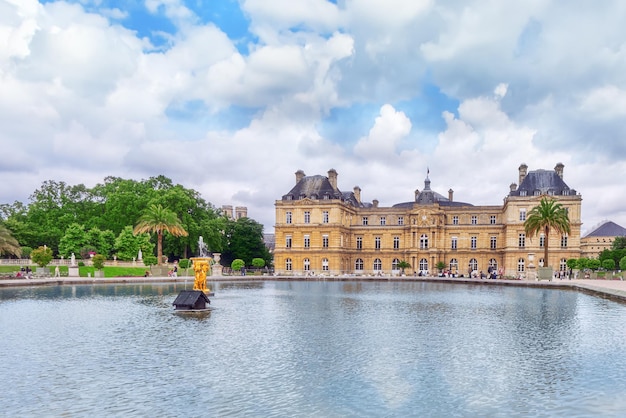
{"x":312,"y":349}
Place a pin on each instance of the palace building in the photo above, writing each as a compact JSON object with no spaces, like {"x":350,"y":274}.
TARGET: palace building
{"x":322,"y":230}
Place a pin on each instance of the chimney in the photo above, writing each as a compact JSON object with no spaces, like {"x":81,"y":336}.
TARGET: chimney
{"x":375,"y":203}
{"x":450,"y":193}
{"x":523,"y":169}
{"x":512,"y":187}
{"x":559,"y":169}
{"x":357,"y":193}
{"x":332,"y":178}
{"x":299,"y":175}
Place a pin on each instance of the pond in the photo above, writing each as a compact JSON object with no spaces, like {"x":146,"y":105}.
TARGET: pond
{"x":311,"y":349}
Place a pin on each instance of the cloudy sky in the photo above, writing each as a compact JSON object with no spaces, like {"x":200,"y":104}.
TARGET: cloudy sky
{"x":232,"y":97}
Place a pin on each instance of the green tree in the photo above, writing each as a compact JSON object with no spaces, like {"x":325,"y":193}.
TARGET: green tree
{"x":74,"y":239}
{"x":622,"y":263}
{"x":548,"y":215}
{"x":244,"y":240}
{"x":237,"y":264}
{"x":619,"y":243}
{"x":98,"y":261}
{"x":8,"y":244}
{"x":258,"y":262}
{"x":403,"y":264}
{"x":127,"y":244}
{"x":572,"y":263}
{"x":102,"y":241}
{"x":608,"y":264}
{"x":41,"y":256}
{"x":593,"y":264}
{"x":441,"y":265}
{"x":159,"y":219}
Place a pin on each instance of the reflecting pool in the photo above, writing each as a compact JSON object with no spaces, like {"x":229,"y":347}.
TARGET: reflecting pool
{"x":312,"y":349}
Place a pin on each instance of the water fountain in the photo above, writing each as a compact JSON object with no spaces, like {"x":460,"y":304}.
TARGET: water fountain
{"x":197,"y":299}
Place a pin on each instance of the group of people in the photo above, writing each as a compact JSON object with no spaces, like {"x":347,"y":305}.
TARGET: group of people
{"x":25,"y":272}
{"x":173,"y":272}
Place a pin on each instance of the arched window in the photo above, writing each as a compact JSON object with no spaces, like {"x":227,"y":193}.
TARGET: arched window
{"x":394,"y":264}
{"x":324,"y":264}
{"x":288,"y":264}
{"x":424,"y":241}
{"x":520,"y":265}
{"x":454,"y":264}
{"x":423,"y":265}
{"x":473,"y":264}
{"x":378,"y":265}
{"x":358,"y":264}
{"x":307,"y":264}
{"x":493,"y":263}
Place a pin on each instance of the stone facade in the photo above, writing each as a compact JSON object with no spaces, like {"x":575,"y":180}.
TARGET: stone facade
{"x":600,"y":238}
{"x":322,"y":230}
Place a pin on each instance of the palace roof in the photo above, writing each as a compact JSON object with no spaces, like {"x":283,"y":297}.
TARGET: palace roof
{"x":607,"y":229}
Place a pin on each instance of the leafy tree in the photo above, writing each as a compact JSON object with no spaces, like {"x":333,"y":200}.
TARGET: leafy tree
{"x":572,"y":263}
{"x":74,"y":239}
{"x":26,"y":252}
{"x":127,"y":244}
{"x":593,"y":264}
{"x":8,"y":244}
{"x":42,"y":256}
{"x":619,"y":243}
{"x":98,"y":261}
{"x":102,"y":241}
{"x":258,"y":262}
{"x":159,"y":219}
{"x":608,"y":264}
{"x":403,"y":264}
{"x":150,"y":260}
{"x":237,"y":264}
{"x":622,"y":263}
{"x":441,"y":265}
{"x":244,"y":240}
{"x":548,"y":215}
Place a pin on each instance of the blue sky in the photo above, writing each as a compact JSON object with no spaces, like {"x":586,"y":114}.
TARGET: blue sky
{"x":232,"y":97}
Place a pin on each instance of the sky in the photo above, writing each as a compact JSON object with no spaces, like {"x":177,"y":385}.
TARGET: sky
{"x":232,"y":97}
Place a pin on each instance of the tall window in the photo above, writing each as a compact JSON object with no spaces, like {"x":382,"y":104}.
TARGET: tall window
{"x":377,"y":243}
{"x":455,"y":220}
{"x":396,"y":243}
{"x":474,"y":219}
{"x":324,"y":241}
{"x":522,"y":214}
{"x":394,"y":264}
{"x":307,"y":241}
{"x":520,"y":265}
{"x":378,"y":265}
{"x":563,"y":265}
{"x":364,"y":220}
{"x":358,"y":264}
{"x":564,"y":241}
{"x":325,"y":217}
{"x":522,"y":240}
{"x":288,"y":241}
{"x":288,"y":217}
{"x":454,"y":264}
{"x":473,"y":242}
{"x":493,"y":263}
{"x":359,"y":243}
{"x":383,"y":221}
{"x":307,"y":217}
{"x":288,"y":264}
{"x":400,"y":220}
{"x":324,"y":264}
{"x":542,"y":241}
{"x":454,"y":243}
{"x":492,"y":219}
{"x":424,"y":241}
{"x":493,"y":243}
{"x":423,"y":265}
{"x":473,"y":264}
{"x":307,"y":264}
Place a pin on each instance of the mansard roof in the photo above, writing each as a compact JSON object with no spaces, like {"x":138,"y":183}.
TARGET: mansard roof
{"x":607,"y":229}
{"x":541,"y":181}
{"x":319,"y":187}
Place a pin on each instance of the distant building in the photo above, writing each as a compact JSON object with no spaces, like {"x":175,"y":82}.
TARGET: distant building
{"x":236,"y":213}
{"x":600,"y":238}
{"x":322,"y":229}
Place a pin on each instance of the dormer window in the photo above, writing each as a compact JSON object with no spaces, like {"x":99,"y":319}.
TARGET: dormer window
{"x":522,"y":193}
{"x":326,"y":197}
{"x":537,"y":192}
{"x":302,"y":196}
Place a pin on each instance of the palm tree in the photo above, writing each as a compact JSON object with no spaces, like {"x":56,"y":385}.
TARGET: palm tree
{"x":159,"y":219}
{"x":8,"y":244}
{"x":548,"y":215}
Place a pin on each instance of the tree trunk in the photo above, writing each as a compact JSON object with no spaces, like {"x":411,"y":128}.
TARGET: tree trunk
{"x":545,"y":248}
{"x":159,"y":248}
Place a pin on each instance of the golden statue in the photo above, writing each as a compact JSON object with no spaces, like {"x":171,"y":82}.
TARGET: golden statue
{"x":200,"y":269}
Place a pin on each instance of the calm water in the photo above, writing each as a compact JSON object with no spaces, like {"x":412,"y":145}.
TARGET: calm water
{"x":312,"y":349}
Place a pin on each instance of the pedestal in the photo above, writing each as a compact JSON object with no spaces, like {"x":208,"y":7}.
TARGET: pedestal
{"x":72,"y":271}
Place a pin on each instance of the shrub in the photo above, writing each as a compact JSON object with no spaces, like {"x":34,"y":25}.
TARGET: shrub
{"x":98,"y":261}
{"x":150,"y":260}
{"x":184,"y":263}
{"x":608,"y":264}
{"x":41,"y":256}
{"x":26,"y":252}
{"x":237,"y":264}
{"x":258,"y":262}
{"x":622,"y":263}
